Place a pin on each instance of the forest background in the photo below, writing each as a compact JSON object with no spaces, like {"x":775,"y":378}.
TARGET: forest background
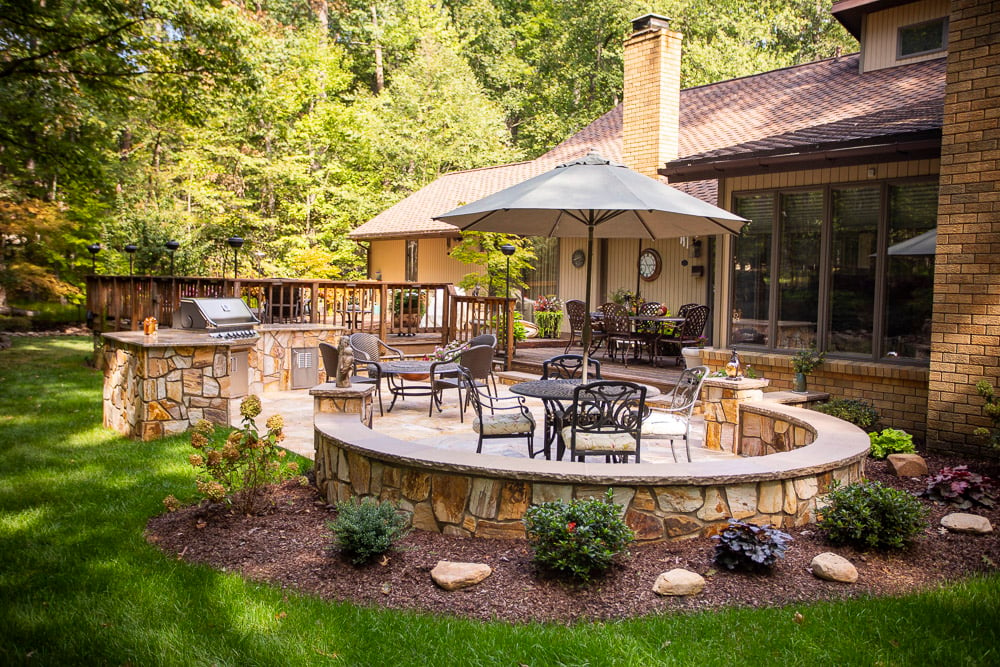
{"x":290,"y":122}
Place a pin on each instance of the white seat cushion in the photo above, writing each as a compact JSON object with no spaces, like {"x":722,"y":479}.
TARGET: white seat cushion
{"x":503,"y":424}
{"x":595,"y":441}
{"x":664,"y":426}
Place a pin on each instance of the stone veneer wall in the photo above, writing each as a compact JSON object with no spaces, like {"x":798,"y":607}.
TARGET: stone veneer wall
{"x":764,"y":432}
{"x":271,"y":359}
{"x":463,"y":495}
{"x":965,"y":335}
{"x":150,"y":392}
{"x":898,"y":392}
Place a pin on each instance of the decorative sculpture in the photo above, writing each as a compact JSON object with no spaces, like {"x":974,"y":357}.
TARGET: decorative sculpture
{"x":345,"y":362}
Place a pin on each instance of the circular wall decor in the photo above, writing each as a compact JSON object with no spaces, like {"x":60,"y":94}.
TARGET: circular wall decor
{"x":579,"y":258}
{"x":650,"y":265}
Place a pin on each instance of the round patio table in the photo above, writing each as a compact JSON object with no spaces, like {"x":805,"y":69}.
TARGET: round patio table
{"x":396,"y":370}
{"x":553,"y":392}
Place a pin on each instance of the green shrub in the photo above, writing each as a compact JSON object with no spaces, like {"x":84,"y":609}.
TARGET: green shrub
{"x":962,"y":488}
{"x":991,"y":409}
{"x":580,"y":538}
{"x":16,"y":323}
{"x":747,"y":546}
{"x":891,"y":441}
{"x":366,"y":529}
{"x":548,"y":323}
{"x":860,"y":413}
{"x":238,"y":470}
{"x":871,"y":515}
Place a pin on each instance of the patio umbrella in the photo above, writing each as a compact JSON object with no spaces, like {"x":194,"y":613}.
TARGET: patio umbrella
{"x":922,"y":244}
{"x":593,"y":197}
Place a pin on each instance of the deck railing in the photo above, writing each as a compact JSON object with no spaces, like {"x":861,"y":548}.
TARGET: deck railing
{"x":383,"y":308}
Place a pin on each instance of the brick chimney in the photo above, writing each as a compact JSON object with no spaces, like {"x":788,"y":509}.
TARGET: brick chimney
{"x":651,"y":96}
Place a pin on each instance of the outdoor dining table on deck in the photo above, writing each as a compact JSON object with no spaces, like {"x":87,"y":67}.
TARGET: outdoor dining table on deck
{"x":396,"y":372}
{"x":553,"y":393}
{"x":641,"y":324}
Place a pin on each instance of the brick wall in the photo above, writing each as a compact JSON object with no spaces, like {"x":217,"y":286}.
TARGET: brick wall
{"x":899,"y":393}
{"x":651,"y":98}
{"x":965,"y":342}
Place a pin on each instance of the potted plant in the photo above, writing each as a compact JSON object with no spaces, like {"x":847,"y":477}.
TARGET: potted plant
{"x":407,"y":308}
{"x":548,"y":316}
{"x":692,"y":355}
{"x":805,"y":362}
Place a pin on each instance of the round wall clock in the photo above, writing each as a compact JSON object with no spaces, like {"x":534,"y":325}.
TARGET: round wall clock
{"x":650,"y":265}
{"x":579,"y":258}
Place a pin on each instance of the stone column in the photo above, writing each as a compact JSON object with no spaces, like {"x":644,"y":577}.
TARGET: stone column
{"x":721,"y":398}
{"x":356,"y":399}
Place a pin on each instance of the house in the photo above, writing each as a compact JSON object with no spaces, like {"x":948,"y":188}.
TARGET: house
{"x":836,"y":163}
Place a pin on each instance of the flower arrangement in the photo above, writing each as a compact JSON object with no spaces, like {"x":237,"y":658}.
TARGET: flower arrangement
{"x":807,"y":360}
{"x":548,"y":304}
{"x":448,"y":352}
{"x":701,"y":342}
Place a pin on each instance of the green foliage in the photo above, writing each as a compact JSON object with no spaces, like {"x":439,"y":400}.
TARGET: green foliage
{"x":860,"y":413}
{"x":238,"y":470}
{"x":991,"y":409}
{"x":482,"y":249}
{"x":15,"y":323}
{"x":366,"y":529}
{"x":891,"y":441}
{"x":747,"y":546}
{"x":580,"y":538}
{"x":548,"y":323}
{"x":408,"y":302}
{"x":871,"y":515}
{"x":962,"y":488}
{"x":807,"y":360}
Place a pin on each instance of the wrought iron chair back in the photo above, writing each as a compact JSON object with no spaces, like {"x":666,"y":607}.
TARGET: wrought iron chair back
{"x":606,"y":420}
{"x":576,"y":311}
{"x":569,"y":367}
{"x":498,"y":416}
{"x":677,"y":421}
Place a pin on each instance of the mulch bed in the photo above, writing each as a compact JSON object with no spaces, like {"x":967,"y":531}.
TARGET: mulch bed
{"x":290,"y":546}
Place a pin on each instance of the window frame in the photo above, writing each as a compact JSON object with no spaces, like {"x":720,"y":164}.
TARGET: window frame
{"x":823,"y":316}
{"x":943,"y":20}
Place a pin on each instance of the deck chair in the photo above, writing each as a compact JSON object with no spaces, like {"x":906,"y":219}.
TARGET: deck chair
{"x":689,"y":331}
{"x":605,"y":420}
{"x":369,"y":350}
{"x":576,"y":311}
{"x":499,"y":416}
{"x":674,"y":421}
{"x":478,"y":364}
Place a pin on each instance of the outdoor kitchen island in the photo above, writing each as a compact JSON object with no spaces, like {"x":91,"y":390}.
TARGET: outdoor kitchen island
{"x":163,"y":383}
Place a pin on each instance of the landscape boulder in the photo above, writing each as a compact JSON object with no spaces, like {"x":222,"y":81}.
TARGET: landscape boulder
{"x":679,"y":582}
{"x":452,"y":576}
{"x":908,"y":465}
{"x":833,"y":567}
{"x":962,"y":522}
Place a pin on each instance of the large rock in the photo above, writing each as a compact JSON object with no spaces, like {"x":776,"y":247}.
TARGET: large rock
{"x":452,"y":576}
{"x":908,"y":465}
{"x":833,"y":567}
{"x":961,"y":522}
{"x":679,"y":582}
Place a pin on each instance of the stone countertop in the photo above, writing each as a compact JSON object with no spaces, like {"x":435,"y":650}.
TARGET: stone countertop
{"x":176,"y":338}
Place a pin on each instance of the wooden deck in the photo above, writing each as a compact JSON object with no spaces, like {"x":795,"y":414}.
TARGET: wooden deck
{"x":529,"y":360}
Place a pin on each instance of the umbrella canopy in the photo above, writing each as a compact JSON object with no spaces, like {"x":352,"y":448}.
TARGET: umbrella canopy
{"x":594,"y":198}
{"x":922,"y":244}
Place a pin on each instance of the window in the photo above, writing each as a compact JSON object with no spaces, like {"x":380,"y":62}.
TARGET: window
{"x":410,"y":274}
{"x":825,"y":267}
{"x":921,"y":38}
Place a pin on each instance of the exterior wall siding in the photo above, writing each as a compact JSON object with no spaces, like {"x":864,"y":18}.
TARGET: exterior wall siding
{"x":674,"y":286}
{"x":880,"y":30}
{"x":965,"y":339}
{"x":434,"y":265}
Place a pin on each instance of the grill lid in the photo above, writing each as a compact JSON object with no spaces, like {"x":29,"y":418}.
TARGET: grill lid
{"x":214,"y":313}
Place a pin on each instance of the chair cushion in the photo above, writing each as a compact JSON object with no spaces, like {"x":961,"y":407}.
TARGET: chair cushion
{"x":664,"y":426}
{"x":503,"y":424}
{"x":595,"y":441}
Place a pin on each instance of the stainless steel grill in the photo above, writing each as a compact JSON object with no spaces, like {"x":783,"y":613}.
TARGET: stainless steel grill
{"x":220,"y":318}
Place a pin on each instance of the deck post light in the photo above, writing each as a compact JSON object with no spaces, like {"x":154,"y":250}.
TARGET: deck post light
{"x":172,"y":247}
{"x":508,"y":250}
{"x":235,"y":242}
{"x":93,"y":249}
{"x":130,"y":249}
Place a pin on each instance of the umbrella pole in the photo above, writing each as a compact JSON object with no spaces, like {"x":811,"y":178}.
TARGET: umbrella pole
{"x":587,"y":331}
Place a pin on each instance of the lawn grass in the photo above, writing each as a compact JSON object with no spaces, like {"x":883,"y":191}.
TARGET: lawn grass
{"x":80,"y":585}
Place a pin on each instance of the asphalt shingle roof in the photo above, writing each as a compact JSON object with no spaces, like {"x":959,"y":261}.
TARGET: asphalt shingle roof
{"x":822,"y":103}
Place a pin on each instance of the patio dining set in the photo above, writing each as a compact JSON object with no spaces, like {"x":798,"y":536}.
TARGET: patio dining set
{"x":599,"y":418}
